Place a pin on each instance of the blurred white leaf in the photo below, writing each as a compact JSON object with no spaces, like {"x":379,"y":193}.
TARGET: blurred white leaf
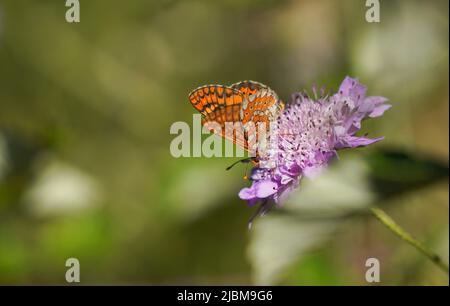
{"x":61,"y":189}
{"x":342,"y":187}
{"x":403,"y":53}
{"x":312,"y":214}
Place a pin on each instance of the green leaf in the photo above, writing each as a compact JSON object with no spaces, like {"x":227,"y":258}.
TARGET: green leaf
{"x":393,"y":172}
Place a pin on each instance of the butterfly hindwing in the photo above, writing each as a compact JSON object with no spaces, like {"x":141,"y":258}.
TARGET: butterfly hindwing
{"x":261,"y":106}
{"x":260,"y":102}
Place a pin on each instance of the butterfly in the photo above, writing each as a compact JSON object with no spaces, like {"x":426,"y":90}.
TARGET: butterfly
{"x":240,"y":103}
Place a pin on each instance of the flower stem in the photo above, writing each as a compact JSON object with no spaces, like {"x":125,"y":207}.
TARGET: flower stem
{"x":400,"y":232}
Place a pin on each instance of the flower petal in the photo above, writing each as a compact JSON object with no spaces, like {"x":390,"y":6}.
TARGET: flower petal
{"x":352,"y":88}
{"x":265,"y":189}
{"x":371,"y":102}
{"x":346,"y":85}
{"x":379,"y":110}
{"x":290,"y":170}
{"x":247,"y":193}
{"x":353,"y":141}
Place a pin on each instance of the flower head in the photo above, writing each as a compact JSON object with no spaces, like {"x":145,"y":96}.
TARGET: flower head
{"x":307,"y":135}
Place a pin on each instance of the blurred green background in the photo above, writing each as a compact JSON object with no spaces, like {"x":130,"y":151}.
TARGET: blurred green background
{"x":85,"y":167}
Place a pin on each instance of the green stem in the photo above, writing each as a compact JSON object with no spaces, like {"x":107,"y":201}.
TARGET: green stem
{"x":400,"y":232}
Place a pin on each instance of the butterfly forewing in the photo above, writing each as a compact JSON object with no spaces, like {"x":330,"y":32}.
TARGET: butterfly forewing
{"x":247,"y":104}
{"x":221,"y":104}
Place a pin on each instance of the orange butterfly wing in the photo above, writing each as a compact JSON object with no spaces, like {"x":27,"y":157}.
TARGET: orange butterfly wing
{"x":242,"y":102}
{"x":220,"y":104}
{"x":261,"y":106}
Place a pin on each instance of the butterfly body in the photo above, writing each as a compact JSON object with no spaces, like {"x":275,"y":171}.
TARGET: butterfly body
{"x":240,"y":103}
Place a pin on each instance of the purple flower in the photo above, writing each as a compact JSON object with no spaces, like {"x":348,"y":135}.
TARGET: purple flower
{"x":307,"y":136}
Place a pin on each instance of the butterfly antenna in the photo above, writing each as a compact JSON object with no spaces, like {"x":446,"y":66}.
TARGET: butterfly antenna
{"x":245,"y":160}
